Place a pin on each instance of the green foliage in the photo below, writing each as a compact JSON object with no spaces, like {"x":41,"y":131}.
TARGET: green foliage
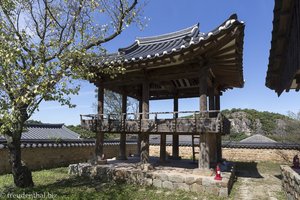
{"x":31,"y":121}
{"x":82,"y":132}
{"x":45,"y":45}
{"x":267,"y":119}
{"x":290,"y":132}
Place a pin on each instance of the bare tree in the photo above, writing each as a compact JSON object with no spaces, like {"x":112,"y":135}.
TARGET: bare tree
{"x":113,"y":105}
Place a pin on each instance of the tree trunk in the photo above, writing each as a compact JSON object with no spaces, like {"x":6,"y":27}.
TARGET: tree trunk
{"x":21,"y":174}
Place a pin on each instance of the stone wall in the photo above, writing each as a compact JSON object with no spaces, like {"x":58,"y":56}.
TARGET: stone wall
{"x":194,"y":180}
{"x":238,"y":154}
{"x":47,"y":157}
{"x":290,"y":182}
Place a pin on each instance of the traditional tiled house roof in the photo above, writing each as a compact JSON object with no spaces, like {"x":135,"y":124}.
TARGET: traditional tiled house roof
{"x":48,"y":131}
{"x":284,"y":60}
{"x":257,"y":138}
{"x":49,"y":135}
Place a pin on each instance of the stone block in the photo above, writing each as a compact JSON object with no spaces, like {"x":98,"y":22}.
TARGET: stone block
{"x":157,"y":183}
{"x":168,"y":185}
{"x":198,"y":181}
{"x":203,"y":172}
{"x":181,"y":186}
{"x":148,"y":181}
{"x":190,"y":180}
{"x":176,"y":178}
{"x":210,"y":182}
{"x":196,"y":188}
{"x":163,"y":177}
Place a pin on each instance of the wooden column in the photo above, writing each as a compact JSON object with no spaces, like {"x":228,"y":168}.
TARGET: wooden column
{"x":219,"y":136}
{"x":212,"y":137}
{"x":204,"y":147}
{"x":122,"y":153}
{"x":175,"y":146}
{"x":145,"y":135}
{"x":211,"y":102}
{"x":99,"y":134}
{"x":202,"y":93}
{"x":163,"y":149}
{"x":217,"y":102}
{"x":140,"y":134}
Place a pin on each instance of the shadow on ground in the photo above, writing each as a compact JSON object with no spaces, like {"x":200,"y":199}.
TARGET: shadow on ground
{"x":247,"y":170}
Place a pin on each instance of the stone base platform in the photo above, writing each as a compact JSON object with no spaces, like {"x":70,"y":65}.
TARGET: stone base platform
{"x":172,"y":174}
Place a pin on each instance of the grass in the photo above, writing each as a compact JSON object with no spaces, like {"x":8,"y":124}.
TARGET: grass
{"x":60,"y":185}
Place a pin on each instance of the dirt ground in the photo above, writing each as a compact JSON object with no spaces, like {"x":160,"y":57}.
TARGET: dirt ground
{"x":257,"y":181}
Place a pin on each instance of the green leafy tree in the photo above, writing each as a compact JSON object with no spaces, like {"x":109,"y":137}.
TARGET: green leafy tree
{"x":44,"y":45}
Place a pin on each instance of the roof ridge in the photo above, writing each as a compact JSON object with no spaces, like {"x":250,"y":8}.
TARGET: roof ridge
{"x":45,"y":125}
{"x":169,"y":36}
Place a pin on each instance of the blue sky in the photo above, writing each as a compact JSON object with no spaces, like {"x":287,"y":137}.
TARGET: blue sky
{"x":171,"y":15}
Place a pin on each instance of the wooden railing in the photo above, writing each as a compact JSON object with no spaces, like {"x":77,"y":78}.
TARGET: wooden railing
{"x":188,"y":122}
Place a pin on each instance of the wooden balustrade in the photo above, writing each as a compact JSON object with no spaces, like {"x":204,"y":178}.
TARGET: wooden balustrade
{"x":196,"y":122}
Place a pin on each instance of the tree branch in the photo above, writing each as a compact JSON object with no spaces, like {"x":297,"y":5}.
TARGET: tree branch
{"x":119,"y":28}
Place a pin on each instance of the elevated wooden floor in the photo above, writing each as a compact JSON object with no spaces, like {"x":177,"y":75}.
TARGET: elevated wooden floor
{"x":132,"y":123}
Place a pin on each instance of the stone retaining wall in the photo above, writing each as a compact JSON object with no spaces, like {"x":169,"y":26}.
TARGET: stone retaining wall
{"x":193,"y":180}
{"x":290,"y":182}
{"x":47,"y":157}
{"x":238,"y":154}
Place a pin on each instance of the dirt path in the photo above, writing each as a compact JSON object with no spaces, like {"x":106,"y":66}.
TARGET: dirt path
{"x":258,"y":182}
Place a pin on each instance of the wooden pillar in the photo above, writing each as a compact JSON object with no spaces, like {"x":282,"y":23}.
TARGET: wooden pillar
{"x":212,"y":137}
{"x":145,"y":135}
{"x":99,"y":134}
{"x":175,"y":146}
{"x":219,"y":136}
{"x":203,"y":143}
{"x":217,"y":102}
{"x":203,"y":162}
{"x":139,"y":134}
{"x":211,"y":102}
{"x":122,"y":152}
{"x":163,"y":149}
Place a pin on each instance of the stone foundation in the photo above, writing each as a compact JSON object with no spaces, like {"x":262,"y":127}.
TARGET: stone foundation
{"x":172,"y":178}
{"x":290,"y":182}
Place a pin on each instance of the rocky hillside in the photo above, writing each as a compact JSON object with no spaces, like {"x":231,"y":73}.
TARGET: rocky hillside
{"x":246,"y":122}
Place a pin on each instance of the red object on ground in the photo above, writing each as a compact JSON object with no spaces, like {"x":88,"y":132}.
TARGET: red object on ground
{"x":218,"y":173}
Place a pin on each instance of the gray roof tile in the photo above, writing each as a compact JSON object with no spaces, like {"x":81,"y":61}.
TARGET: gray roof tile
{"x":48,"y":131}
{"x":257,"y":138}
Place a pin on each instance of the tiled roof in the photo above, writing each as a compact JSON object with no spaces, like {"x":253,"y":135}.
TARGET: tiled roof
{"x":258,"y":138}
{"x":48,"y":131}
{"x":148,"y":48}
{"x":284,"y":56}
